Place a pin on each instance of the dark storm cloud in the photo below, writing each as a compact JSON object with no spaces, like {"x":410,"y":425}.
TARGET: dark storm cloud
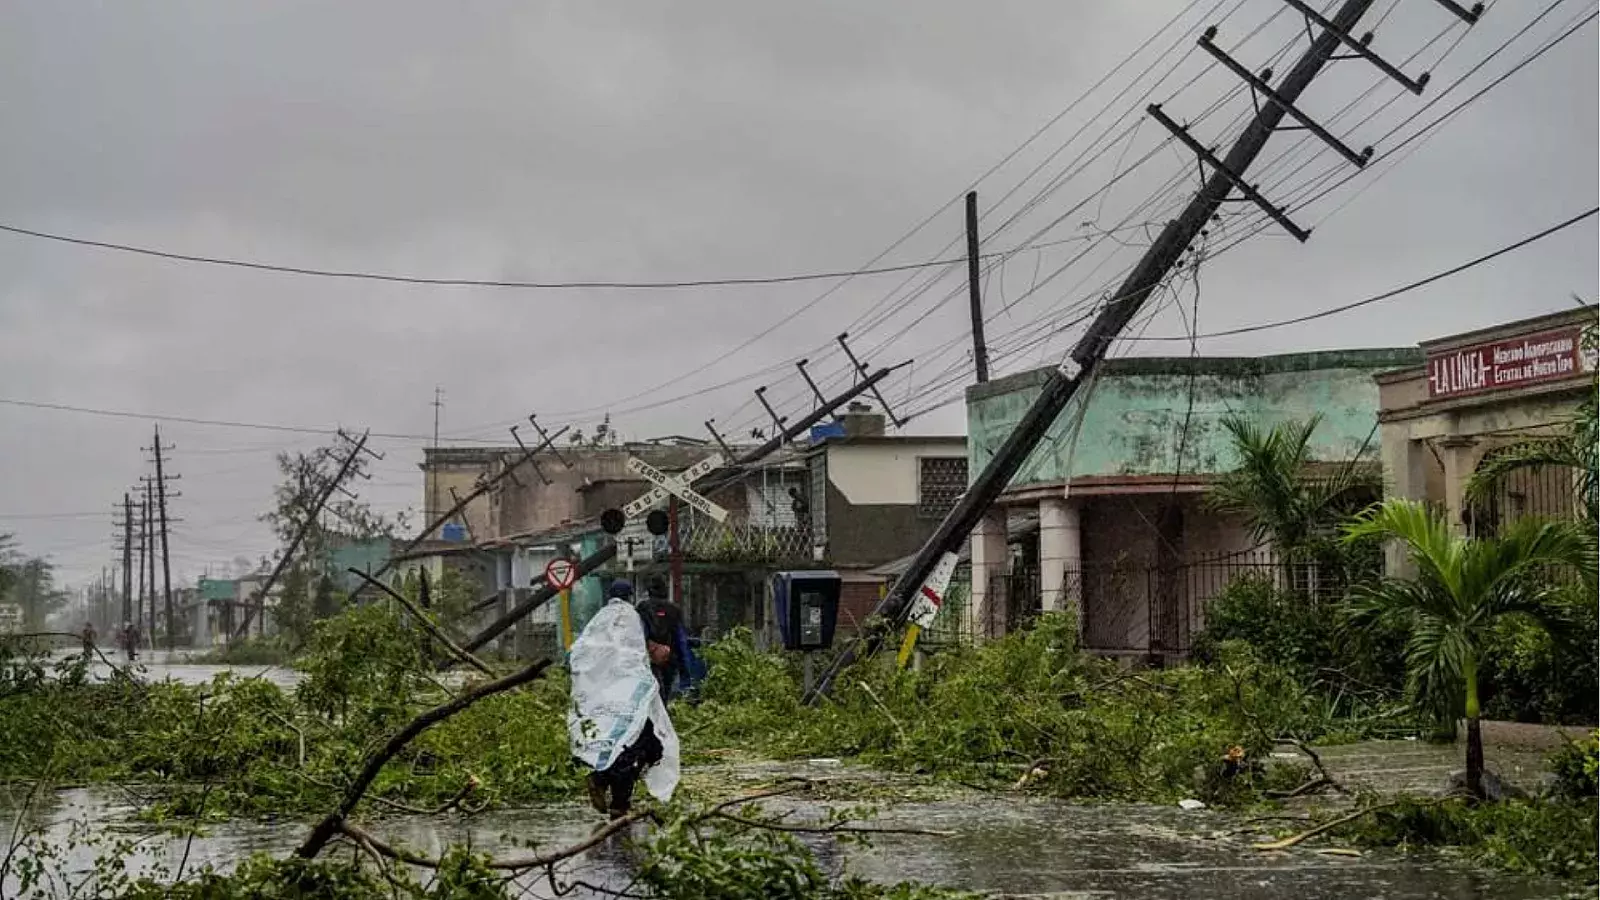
{"x":626,"y":141}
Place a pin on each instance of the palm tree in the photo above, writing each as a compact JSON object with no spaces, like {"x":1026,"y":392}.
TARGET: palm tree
{"x":1575,"y":447}
{"x":1463,"y":586}
{"x":1276,"y":492}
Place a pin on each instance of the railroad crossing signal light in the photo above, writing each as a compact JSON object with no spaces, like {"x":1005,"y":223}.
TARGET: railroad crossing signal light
{"x":656,"y":522}
{"x":612,"y":521}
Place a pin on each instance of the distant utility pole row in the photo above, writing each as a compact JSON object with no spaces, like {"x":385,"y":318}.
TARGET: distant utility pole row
{"x":143,"y":531}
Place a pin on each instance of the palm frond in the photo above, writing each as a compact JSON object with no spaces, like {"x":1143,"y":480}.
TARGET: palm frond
{"x":1428,"y":541}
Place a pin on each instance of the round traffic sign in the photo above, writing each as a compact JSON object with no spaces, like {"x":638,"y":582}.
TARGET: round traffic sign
{"x":561,"y":573}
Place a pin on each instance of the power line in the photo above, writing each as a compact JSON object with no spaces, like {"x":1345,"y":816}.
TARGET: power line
{"x":1386,"y":295}
{"x":285,"y":269}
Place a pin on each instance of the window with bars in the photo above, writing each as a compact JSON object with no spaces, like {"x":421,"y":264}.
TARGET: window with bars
{"x":941,"y":480}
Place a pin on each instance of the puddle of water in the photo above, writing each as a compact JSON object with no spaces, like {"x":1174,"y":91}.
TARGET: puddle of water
{"x":1022,"y":848}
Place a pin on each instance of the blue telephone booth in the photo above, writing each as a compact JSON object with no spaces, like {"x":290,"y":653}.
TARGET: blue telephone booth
{"x":807,"y":607}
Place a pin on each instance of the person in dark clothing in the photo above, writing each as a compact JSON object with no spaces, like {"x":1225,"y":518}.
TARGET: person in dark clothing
{"x":662,"y":622}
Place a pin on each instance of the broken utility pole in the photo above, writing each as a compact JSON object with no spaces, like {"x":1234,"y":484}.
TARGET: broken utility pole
{"x":980,"y":350}
{"x":1060,"y":387}
{"x":482,"y":488}
{"x":259,"y":602}
{"x":712,"y":481}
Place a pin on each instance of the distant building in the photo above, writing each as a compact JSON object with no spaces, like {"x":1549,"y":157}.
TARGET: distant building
{"x":1110,"y":506}
{"x":1473,"y":395}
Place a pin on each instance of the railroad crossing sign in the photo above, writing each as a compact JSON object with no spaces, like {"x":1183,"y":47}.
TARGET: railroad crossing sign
{"x":561,"y":573}
{"x":930,"y":598}
{"x":676,"y":485}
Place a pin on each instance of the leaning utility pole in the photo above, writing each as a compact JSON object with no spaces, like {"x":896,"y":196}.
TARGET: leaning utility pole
{"x":980,"y":350}
{"x":1146,"y":276}
{"x":127,"y":558}
{"x":712,"y":481}
{"x":166,"y":561}
{"x":260,"y":600}
{"x":483,"y":487}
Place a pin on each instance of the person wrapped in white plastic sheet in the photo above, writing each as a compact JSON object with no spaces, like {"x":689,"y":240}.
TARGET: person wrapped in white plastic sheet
{"x":618,"y":724}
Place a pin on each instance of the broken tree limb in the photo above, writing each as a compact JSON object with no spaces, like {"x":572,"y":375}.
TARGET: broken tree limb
{"x":361,"y":835}
{"x":427,"y":624}
{"x":325,"y":830}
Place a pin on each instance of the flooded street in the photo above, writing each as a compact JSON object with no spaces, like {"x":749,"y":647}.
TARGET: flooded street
{"x":163,"y":665}
{"x":1012,"y":846}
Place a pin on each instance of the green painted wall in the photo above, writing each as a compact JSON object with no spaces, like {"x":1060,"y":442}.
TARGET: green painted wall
{"x":1137,"y":406}
{"x":369,"y":556}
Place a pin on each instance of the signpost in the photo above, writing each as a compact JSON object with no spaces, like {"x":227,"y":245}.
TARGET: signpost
{"x":10,"y":618}
{"x":561,"y":574}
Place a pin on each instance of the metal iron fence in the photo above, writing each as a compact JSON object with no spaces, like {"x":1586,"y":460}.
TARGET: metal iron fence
{"x":1159,"y":609}
{"x":1549,"y":492}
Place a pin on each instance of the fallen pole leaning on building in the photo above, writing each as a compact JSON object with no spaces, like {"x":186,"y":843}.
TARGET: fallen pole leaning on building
{"x":1151,"y":270}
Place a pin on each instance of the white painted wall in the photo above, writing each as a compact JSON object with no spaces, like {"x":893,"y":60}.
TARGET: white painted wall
{"x":880,"y":473}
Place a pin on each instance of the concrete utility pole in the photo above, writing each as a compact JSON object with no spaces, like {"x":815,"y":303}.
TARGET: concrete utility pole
{"x":150,"y":555}
{"x":713,"y":481}
{"x":260,"y":600}
{"x":139,"y":604}
{"x":980,"y":350}
{"x":433,"y":477}
{"x":1146,"y":276}
{"x":127,"y":558}
{"x":166,"y":561}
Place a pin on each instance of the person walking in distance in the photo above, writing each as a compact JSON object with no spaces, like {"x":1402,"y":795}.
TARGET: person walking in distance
{"x":87,"y":635}
{"x":663,"y":624}
{"x":617,"y":725}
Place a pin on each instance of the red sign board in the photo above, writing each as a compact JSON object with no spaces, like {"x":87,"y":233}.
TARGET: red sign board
{"x":1501,"y":365}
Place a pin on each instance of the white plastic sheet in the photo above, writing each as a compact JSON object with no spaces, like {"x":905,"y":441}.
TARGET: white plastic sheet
{"x":614,"y":693}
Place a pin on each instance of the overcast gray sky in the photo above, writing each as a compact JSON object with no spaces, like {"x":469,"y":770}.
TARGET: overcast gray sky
{"x":641,"y":141}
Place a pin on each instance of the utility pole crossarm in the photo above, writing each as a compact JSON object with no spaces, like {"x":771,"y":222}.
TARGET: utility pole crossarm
{"x":1235,"y":179}
{"x":1258,"y":84}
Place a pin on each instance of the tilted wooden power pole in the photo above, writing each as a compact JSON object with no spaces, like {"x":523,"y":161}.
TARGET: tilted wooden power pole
{"x":260,"y":599}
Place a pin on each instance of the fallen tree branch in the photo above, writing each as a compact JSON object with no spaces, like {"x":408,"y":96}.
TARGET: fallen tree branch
{"x":901,"y":729}
{"x":834,"y":828}
{"x":330,"y":825}
{"x":427,"y":624}
{"x":1293,"y":839}
{"x":362,"y":836}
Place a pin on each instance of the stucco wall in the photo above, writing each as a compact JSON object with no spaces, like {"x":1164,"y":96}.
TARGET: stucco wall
{"x":874,"y":472}
{"x":1137,"y":407}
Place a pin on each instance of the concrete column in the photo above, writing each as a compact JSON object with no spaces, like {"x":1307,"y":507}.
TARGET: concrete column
{"x":1405,"y":475}
{"x":1060,"y":549}
{"x":986,"y":611}
{"x":1458,"y":464}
